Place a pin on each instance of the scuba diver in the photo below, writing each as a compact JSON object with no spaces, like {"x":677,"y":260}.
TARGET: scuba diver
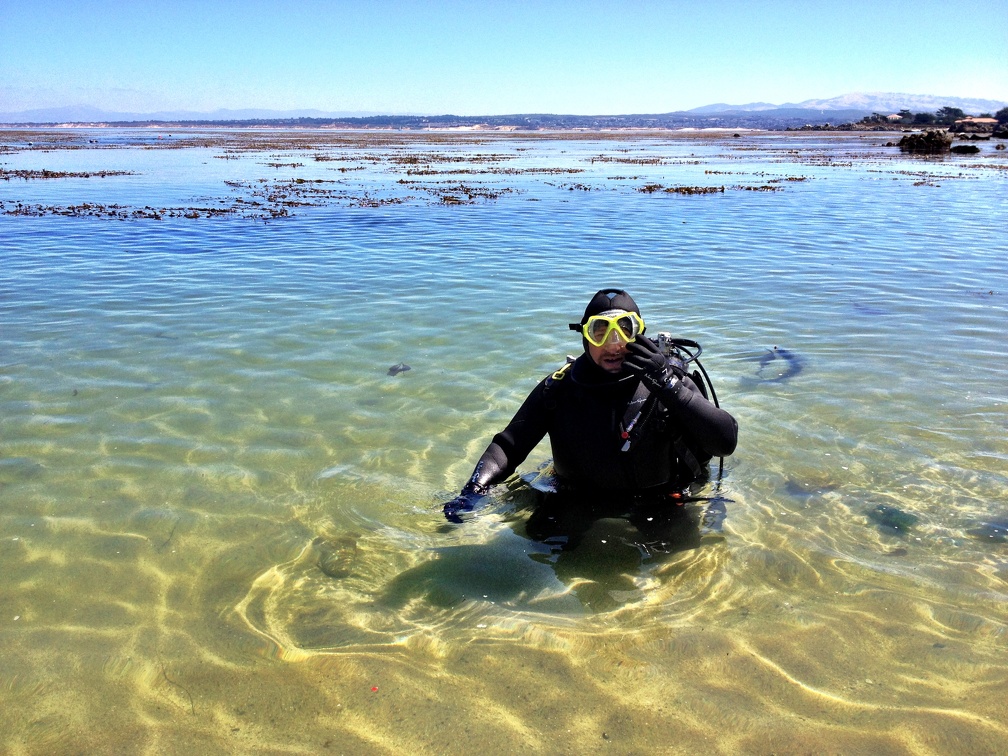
{"x":628,"y":427}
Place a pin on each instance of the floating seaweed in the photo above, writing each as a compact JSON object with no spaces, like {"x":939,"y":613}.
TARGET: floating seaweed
{"x":652,"y":188}
{"x":7,"y":175}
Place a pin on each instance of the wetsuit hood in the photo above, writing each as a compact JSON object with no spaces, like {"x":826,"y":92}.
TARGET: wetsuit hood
{"x":609,"y":299}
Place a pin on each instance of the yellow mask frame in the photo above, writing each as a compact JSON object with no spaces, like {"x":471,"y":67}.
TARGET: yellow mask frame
{"x":598,"y":328}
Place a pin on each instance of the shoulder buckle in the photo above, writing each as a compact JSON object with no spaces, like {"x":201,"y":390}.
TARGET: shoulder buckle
{"x":558,"y":375}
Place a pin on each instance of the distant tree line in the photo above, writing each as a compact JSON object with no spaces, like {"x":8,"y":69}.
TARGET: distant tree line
{"x":945,"y":116}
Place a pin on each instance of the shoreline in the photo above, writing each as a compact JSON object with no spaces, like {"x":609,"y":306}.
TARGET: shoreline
{"x":167,"y":136}
{"x":515,"y":130}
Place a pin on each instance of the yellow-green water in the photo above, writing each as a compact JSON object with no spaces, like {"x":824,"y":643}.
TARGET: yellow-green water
{"x":219,"y":515}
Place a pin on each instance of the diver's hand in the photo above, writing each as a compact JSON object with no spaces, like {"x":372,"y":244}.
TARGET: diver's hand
{"x":467,"y":501}
{"x":646,"y":360}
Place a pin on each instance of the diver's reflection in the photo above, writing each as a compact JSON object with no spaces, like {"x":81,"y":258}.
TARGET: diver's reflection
{"x":662,"y":527}
{"x":556,"y":553}
{"x":604,"y":550}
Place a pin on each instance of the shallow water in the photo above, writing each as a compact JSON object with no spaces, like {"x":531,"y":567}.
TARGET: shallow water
{"x":220,"y":516}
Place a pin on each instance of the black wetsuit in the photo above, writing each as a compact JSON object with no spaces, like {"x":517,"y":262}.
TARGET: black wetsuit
{"x":584,"y":411}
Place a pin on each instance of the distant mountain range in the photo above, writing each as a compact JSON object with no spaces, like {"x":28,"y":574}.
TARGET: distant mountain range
{"x":836,"y":110}
{"x":869,"y":102}
{"x":88,"y":114}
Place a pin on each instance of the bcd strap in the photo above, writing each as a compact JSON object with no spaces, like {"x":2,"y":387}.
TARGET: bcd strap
{"x":688,"y":457}
{"x":557,"y":375}
{"x":698,"y":380}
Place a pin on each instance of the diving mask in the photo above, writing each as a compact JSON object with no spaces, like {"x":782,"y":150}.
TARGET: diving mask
{"x":616,"y":325}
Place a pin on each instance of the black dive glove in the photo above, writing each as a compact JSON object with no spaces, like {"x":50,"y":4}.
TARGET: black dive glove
{"x":646,"y":360}
{"x":471,"y":497}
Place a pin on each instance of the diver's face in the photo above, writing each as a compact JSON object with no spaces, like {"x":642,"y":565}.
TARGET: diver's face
{"x":610,"y":355}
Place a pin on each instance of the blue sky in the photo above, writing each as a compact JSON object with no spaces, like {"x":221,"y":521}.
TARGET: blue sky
{"x":484,"y":58}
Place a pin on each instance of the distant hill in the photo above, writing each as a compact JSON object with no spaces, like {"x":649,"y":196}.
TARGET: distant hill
{"x":723,"y":107}
{"x":867,"y":102}
{"x":88,"y":114}
{"x":765,"y":120}
{"x":847,"y":108}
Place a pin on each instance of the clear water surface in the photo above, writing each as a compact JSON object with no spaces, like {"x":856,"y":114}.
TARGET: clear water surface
{"x":220,"y":516}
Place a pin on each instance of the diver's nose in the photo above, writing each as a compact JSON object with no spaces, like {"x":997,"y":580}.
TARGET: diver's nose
{"x":615,"y":337}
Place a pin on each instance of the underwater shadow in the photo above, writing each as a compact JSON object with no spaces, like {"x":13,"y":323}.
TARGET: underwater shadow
{"x":774,"y":366}
{"x":558,"y":554}
{"x":607,"y":554}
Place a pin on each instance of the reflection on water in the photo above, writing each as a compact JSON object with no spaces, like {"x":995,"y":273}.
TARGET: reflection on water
{"x":220,"y":509}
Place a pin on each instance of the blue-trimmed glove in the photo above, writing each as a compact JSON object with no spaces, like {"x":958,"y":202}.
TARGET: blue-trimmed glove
{"x":646,"y":360}
{"x":470,"y":499}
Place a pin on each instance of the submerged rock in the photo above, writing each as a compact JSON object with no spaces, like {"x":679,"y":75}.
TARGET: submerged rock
{"x":336,"y":556}
{"x":995,"y":530}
